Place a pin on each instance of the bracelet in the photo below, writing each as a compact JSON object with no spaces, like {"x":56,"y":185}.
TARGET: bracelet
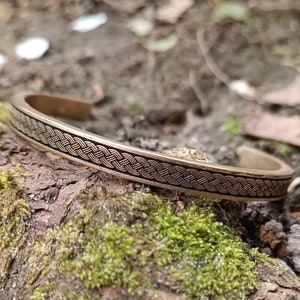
{"x":259,"y":177}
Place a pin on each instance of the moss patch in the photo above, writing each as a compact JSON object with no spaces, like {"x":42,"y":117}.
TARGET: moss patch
{"x":286,"y":52}
{"x":4,"y":113}
{"x":281,"y":147}
{"x":232,"y":125}
{"x":14,"y":213}
{"x":136,"y":242}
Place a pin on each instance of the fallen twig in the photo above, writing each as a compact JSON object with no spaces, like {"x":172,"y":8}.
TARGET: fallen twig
{"x":239,"y":87}
{"x":198,"y":92}
{"x":213,"y":67}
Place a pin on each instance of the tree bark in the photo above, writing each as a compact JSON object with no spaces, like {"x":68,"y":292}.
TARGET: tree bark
{"x":51,"y":185}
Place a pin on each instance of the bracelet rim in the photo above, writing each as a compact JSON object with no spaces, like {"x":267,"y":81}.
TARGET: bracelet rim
{"x":283,"y":172}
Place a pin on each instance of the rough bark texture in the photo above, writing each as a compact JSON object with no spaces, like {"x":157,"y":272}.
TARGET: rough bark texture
{"x":52,"y":183}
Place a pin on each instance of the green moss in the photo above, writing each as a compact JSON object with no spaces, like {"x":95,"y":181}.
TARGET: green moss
{"x":235,"y":10}
{"x":280,"y":147}
{"x":232,"y":125}
{"x":286,"y":52}
{"x":60,"y":291}
{"x":14,"y":213}
{"x":137,"y":243}
{"x":4,"y":113}
{"x":135,"y":107}
{"x":282,"y":51}
{"x":41,"y":293}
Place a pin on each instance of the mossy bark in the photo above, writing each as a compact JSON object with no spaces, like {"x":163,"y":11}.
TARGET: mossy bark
{"x":69,"y":232}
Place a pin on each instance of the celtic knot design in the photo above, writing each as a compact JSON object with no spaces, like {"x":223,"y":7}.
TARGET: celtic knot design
{"x":143,"y":168}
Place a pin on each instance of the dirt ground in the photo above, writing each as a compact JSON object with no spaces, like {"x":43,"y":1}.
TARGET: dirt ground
{"x":148,"y":94}
{"x":149,"y":100}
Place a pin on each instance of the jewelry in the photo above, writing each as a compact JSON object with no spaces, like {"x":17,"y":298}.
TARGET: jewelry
{"x":259,"y":177}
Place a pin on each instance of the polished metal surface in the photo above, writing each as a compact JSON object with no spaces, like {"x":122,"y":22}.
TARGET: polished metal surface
{"x":260,"y":176}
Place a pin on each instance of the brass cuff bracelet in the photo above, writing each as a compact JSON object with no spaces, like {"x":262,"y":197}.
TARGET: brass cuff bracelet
{"x":259,"y":177}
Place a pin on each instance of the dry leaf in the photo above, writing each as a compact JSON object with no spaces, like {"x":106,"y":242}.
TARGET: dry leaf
{"x":140,"y":26}
{"x":98,"y":90}
{"x":289,"y":95}
{"x":170,"y":13}
{"x":162,"y":45}
{"x":267,"y":125}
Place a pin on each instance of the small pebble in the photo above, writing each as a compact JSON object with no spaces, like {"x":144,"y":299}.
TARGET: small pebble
{"x":3,"y":59}
{"x":32,"y":48}
{"x":89,"y":22}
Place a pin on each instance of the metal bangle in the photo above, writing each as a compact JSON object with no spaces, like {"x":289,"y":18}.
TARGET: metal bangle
{"x":259,"y":177}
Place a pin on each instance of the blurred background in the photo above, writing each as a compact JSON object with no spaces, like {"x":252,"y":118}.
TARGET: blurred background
{"x":204,"y":74}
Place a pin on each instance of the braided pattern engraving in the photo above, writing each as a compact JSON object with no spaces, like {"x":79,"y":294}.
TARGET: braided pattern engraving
{"x":138,"y":166}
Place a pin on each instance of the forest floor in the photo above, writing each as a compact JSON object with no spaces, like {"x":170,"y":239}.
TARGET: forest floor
{"x":157,"y":99}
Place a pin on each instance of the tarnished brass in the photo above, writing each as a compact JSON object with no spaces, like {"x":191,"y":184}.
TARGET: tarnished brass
{"x":260,"y":176}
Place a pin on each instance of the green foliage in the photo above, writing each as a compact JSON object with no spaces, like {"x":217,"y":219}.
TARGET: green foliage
{"x":135,"y":107}
{"x":4,"y":113}
{"x":280,"y":146}
{"x":136,"y":242}
{"x":41,"y":292}
{"x":61,"y":291}
{"x":162,"y":45}
{"x":235,"y":10}
{"x":286,"y":52}
{"x":232,"y":125}
{"x":14,"y":213}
